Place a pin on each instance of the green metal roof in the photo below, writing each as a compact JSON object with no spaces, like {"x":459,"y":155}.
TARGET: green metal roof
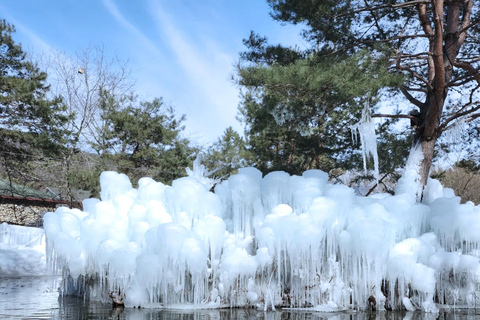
{"x":17,"y":190}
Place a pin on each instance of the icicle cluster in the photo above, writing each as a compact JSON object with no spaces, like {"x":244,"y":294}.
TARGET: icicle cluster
{"x":276,"y":241}
{"x":368,"y":139}
{"x":18,"y":235}
{"x":22,"y":251}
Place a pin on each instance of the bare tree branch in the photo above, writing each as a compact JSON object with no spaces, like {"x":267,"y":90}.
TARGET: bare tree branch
{"x":424,"y":21}
{"x":410,"y":98}
{"x":462,"y":34}
{"x":411,"y":3}
{"x":416,"y":76}
{"x":393,"y":116}
{"x":446,"y":124}
{"x":469,"y":68}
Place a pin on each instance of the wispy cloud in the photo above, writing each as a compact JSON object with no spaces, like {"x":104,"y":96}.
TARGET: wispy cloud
{"x":39,"y":45}
{"x":120,"y":18}
{"x":143,"y":55}
{"x":183,"y":51}
{"x":206,"y":67}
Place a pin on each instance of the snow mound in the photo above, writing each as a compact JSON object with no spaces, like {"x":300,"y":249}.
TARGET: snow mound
{"x":22,"y":251}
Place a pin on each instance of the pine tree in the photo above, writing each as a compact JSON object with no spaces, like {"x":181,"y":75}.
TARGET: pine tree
{"x":143,"y":138}
{"x":434,"y":44}
{"x":298,"y":107}
{"x":31,"y":125}
{"x":228,"y":154}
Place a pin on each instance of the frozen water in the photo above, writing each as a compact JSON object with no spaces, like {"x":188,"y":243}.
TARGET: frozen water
{"x":368,"y":139}
{"x":22,"y":251}
{"x":409,"y":183}
{"x":276,"y":241}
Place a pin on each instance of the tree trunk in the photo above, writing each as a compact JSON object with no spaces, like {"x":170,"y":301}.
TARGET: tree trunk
{"x":440,"y":73}
{"x":428,"y":147}
{"x":428,"y":133}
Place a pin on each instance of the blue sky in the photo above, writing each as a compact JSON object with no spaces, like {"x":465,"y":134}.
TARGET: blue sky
{"x":183,"y":51}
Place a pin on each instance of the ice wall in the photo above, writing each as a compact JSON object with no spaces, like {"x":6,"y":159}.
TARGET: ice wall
{"x":276,"y":241}
{"x":22,"y":251}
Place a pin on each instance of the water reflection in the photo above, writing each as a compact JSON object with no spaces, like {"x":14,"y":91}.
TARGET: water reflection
{"x":37,"y":298}
{"x":74,"y":309}
{"x":28,"y":297}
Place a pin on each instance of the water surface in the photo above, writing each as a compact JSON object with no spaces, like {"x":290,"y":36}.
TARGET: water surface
{"x":37,"y":298}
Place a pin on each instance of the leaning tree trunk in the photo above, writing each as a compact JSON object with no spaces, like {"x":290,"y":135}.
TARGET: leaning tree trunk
{"x":428,"y":132}
{"x":428,"y":148}
{"x":439,"y":72}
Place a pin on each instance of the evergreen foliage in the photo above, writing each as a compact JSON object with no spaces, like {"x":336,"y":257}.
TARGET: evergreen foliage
{"x":143,"y":138}
{"x":228,"y":154}
{"x":434,"y":44}
{"x":42,"y":135}
{"x":298,"y":106}
{"x":24,"y":106}
{"x":31,"y":124}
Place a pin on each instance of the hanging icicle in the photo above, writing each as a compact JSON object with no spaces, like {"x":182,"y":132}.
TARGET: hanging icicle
{"x":368,"y":139}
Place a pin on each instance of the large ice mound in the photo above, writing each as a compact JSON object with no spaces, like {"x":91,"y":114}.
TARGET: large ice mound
{"x":22,"y":251}
{"x":280,"y":240}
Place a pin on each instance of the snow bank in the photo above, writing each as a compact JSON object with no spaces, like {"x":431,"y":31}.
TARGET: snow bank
{"x":280,"y":240}
{"x":22,"y":251}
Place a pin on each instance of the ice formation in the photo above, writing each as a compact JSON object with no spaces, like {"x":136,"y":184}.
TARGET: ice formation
{"x":368,"y":139}
{"x":267,"y":242}
{"x":22,"y":251}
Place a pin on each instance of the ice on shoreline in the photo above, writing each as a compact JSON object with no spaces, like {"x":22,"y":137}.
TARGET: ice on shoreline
{"x":22,"y":251}
{"x":280,"y":240}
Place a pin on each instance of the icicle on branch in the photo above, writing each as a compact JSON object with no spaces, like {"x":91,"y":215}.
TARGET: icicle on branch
{"x":365,"y":128}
